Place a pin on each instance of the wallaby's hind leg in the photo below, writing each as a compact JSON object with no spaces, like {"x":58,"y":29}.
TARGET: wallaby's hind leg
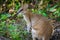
{"x":33,"y":37}
{"x":40,"y":39}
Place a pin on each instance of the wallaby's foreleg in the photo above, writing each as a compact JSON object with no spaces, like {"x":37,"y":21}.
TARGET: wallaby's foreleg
{"x":28,"y":27}
{"x":33,"y":37}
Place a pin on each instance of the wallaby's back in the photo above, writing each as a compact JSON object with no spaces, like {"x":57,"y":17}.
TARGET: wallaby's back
{"x":41,"y":27}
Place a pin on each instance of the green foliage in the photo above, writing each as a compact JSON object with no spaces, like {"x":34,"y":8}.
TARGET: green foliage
{"x":13,"y":30}
{"x":52,"y":8}
{"x":2,"y":28}
{"x":4,"y":16}
{"x":10,"y":28}
{"x":17,"y":6}
{"x":40,"y":12}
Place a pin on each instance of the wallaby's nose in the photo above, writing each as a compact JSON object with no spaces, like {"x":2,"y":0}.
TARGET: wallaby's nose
{"x":20,"y":9}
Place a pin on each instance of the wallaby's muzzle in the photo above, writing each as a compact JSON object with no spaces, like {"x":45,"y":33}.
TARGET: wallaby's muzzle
{"x":19,"y":11}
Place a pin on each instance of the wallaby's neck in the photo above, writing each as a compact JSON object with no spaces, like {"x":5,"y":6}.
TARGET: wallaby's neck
{"x":27,"y":16}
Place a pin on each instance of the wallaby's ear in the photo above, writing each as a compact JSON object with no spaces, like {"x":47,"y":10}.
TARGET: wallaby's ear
{"x":28,"y":6}
{"x":25,"y":6}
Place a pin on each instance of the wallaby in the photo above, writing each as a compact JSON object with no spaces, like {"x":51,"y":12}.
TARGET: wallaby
{"x":41,"y":28}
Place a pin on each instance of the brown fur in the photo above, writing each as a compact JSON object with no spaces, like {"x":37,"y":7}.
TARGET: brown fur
{"x":41,"y":27}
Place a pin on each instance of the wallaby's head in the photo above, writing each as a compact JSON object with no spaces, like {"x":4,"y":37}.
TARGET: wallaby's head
{"x":23,"y":9}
